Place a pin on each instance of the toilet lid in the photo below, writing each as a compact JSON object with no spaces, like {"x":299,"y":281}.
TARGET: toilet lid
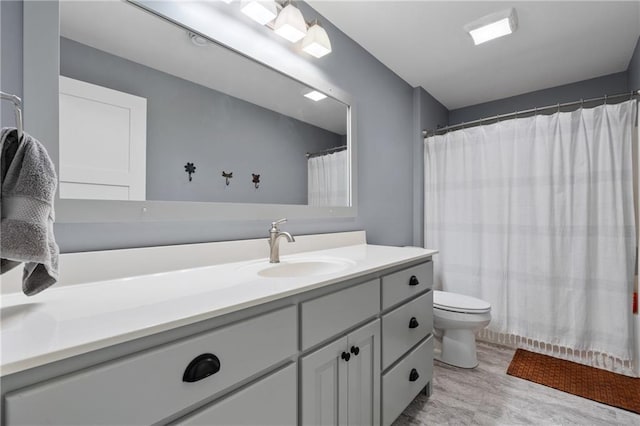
{"x":459,"y":303}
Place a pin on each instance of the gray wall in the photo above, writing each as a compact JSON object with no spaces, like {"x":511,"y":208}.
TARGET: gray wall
{"x":592,"y":88}
{"x":634,"y":69}
{"x":385,"y":166}
{"x":428,"y":113}
{"x":187,"y":122}
{"x":10,"y":56}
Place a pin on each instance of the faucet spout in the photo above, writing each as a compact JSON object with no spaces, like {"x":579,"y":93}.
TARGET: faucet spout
{"x":274,"y":240}
{"x":287,"y":235}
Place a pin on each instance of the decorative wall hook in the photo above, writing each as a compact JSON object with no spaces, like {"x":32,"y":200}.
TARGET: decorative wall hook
{"x":256,"y":180}
{"x":227,"y":176}
{"x":190,"y":168}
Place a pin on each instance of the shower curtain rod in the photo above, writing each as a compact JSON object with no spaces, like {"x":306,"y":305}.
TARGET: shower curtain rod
{"x":498,"y":117}
{"x":326,"y":151}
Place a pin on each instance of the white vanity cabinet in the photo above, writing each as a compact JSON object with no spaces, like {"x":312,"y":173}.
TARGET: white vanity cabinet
{"x":352,"y":352}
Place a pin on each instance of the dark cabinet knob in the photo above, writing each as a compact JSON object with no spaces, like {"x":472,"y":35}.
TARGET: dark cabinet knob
{"x":413,"y":376}
{"x":413,"y":280}
{"x":413,"y":322}
{"x":346,"y":356}
{"x":355,"y":350}
{"x":202,"y":366}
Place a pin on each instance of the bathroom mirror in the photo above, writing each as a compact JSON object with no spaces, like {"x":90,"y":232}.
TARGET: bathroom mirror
{"x":159,"y":122}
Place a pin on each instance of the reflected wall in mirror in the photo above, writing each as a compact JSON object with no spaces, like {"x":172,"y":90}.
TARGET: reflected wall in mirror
{"x":141,"y":97}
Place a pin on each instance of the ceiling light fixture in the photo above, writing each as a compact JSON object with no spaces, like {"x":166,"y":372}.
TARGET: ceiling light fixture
{"x":316,"y":42}
{"x":315,"y":95}
{"x":290,"y":23}
{"x":261,"y":11}
{"x":287,"y":21}
{"x":493,"y":26}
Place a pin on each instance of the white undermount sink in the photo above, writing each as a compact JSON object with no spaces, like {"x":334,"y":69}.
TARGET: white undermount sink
{"x":300,"y":267}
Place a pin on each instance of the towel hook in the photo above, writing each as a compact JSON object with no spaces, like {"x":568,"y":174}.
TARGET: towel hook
{"x":255,"y":180}
{"x":227,"y":176}
{"x":190,"y":169}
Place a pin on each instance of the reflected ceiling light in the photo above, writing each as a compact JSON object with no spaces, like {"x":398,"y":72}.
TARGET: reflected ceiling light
{"x":261,"y":11}
{"x":290,"y":23}
{"x":493,"y":26}
{"x":198,"y":40}
{"x":315,"y":95}
{"x":316,"y":42}
{"x":227,"y":1}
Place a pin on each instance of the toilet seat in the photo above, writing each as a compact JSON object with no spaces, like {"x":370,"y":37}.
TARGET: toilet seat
{"x":461,"y":303}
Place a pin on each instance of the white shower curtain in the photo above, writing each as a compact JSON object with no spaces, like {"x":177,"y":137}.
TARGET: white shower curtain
{"x":328,"y":179}
{"x":536,"y":216}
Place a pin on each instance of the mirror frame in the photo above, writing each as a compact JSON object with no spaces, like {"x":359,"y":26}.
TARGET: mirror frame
{"x":41,"y":62}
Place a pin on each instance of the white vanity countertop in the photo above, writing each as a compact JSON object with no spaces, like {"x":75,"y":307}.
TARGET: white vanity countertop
{"x":71,"y":320}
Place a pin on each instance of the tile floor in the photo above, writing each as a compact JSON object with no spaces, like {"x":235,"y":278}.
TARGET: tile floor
{"x":486,"y":395}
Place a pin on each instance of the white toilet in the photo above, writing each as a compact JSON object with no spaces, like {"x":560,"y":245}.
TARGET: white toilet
{"x":456,"y":317}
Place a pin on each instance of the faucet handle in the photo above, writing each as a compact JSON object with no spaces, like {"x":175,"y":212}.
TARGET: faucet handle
{"x":278,"y":222}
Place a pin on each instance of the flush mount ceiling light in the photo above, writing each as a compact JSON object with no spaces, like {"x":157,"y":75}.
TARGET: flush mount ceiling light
{"x":290,"y":24}
{"x":315,"y":95}
{"x":493,"y":26}
{"x":261,"y":11}
{"x":316,"y":42}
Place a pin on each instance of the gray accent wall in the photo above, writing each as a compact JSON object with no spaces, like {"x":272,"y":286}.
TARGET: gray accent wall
{"x":187,"y":122}
{"x":606,"y":85}
{"x":633,"y":72}
{"x":428,"y":113}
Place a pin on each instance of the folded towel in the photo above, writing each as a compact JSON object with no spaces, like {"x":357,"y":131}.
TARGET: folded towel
{"x":26,"y":223}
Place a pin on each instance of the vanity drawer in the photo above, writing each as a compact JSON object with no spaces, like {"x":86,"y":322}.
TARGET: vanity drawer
{"x":404,"y":284}
{"x":405,"y":326}
{"x":397,"y":388}
{"x":329,"y":315}
{"x":257,"y":404}
{"x":148,"y":387}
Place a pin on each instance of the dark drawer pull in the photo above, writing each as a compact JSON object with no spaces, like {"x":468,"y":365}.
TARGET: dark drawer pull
{"x":202,"y":366}
{"x":346,"y":356}
{"x":413,"y":322}
{"x":355,"y":350}
{"x":413,"y":280}
{"x":413,"y":376}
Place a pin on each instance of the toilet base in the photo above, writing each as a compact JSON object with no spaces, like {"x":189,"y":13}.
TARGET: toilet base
{"x":458,"y":348}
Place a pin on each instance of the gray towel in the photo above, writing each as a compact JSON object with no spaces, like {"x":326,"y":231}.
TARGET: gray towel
{"x":26,"y":223}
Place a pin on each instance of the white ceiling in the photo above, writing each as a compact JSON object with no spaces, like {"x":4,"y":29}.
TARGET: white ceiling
{"x":424,"y":43}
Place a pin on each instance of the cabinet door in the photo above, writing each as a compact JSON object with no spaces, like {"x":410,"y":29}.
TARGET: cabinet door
{"x":324,"y":386}
{"x":364,"y":375}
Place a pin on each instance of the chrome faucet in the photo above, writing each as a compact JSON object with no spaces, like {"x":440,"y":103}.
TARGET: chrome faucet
{"x":274,"y":240}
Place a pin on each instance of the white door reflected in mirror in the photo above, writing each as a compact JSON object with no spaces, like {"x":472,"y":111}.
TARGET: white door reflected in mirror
{"x":103,"y":137}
